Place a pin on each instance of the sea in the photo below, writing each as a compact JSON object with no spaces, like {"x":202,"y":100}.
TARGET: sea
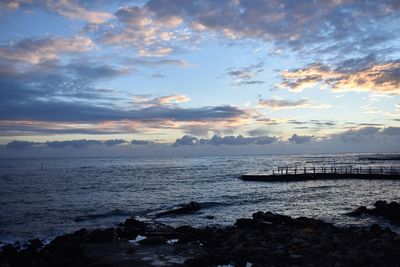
{"x":45,"y":197}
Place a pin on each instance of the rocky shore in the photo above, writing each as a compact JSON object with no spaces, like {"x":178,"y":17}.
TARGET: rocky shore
{"x":266,"y":239}
{"x":389,"y":211}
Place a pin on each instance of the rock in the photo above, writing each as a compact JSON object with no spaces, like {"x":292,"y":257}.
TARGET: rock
{"x":133,"y":222}
{"x":153,"y":241}
{"x":375,"y":228}
{"x":128,"y":232}
{"x":184,"y":209}
{"x":245,"y":223}
{"x":197,"y":262}
{"x":16,"y":258}
{"x":63,"y":254}
{"x":74,"y":237}
{"x":35,"y":244}
{"x":295,"y":256}
{"x":267,"y":239}
{"x":359,"y":211}
{"x":390,"y":211}
{"x":273,"y":218}
{"x":99,"y":235}
{"x":184,"y":229}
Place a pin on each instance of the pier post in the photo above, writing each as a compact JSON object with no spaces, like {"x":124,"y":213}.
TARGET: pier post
{"x":305,"y":170}
{"x":287,"y":169}
{"x":273,"y":172}
{"x":381,"y":169}
{"x":295,"y":170}
{"x":331,"y":169}
{"x":370,"y":170}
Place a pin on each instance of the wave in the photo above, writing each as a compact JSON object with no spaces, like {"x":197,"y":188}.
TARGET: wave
{"x":113,"y":213}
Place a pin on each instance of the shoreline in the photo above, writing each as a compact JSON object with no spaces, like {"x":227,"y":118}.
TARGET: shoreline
{"x":264,"y":239}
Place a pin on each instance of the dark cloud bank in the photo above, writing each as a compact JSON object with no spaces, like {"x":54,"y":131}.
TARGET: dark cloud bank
{"x":367,"y":139}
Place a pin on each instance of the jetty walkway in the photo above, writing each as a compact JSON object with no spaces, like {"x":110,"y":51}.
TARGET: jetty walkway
{"x":289,"y":174}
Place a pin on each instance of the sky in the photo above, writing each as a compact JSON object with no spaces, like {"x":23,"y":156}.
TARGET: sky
{"x":284,"y":75}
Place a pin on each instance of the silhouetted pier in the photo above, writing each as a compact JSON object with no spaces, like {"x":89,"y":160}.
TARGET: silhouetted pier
{"x":287,"y":174}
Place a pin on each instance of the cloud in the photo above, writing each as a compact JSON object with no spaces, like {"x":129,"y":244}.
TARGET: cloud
{"x":359,"y":135}
{"x":154,"y":63}
{"x":257,"y":132}
{"x":160,"y":27}
{"x":383,"y":77}
{"x":115,"y":142}
{"x":34,"y":50}
{"x":186,"y":140}
{"x":140,"y":28}
{"x":26,"y":128}
{"x":296,"y":25}
{"x":363,"y":139}
{"x":275,"y":104}
{"x":83,"y":143}
{"x":168,"y":100}
{"x":20,"y":145}
{"x":141,"y":142}
{"x":73,"y":143}
{"x":71,"y":9}
{"x":300,"y":139}
{"x":394,"y":131}
{"x":226,"y":140}
{"x":85,"y":112}
{"x":246,"y":75}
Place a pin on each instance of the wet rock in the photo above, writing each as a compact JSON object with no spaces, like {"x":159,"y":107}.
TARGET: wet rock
{"x":390,"y":211}
{"x":271,"y":217}
{"x":75,"y":237}
{"x":184,"y":229}
{"x":63,"y":254}
{"x":184,"y":209}
{"x":99,"y":235}
{"x":197,"y":262}
{"x":153,"y":241}
{"x":35,"y":244}
{"x":245,"y":223}
{"x":266,"y":239}
{"x":359,"y":211}
{"x":133,"y":222}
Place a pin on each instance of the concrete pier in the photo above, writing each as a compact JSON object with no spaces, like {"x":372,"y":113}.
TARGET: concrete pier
{"x":310,"y":173}
{"x":317,"y":176}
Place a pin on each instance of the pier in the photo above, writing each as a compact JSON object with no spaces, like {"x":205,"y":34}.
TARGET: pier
{"x":289,"y":174}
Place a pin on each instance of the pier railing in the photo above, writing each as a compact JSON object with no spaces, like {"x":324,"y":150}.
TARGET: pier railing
{"x":286,"y":170}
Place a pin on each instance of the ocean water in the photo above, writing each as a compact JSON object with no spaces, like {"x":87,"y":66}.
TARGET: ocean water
{"x":70,"y":193}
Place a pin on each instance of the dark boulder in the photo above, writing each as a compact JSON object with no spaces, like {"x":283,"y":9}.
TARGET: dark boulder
{"x":358,"y":211}
{"x":390,"y":211}
{"x":35,"y":244}
{"x":135,"y":223}
{"x":153,"y":241}
{"x":74,"y":237}
{"x":99,"y":235}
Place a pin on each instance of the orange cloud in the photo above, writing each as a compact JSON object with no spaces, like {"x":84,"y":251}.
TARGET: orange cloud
{"x":381,"y":78}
